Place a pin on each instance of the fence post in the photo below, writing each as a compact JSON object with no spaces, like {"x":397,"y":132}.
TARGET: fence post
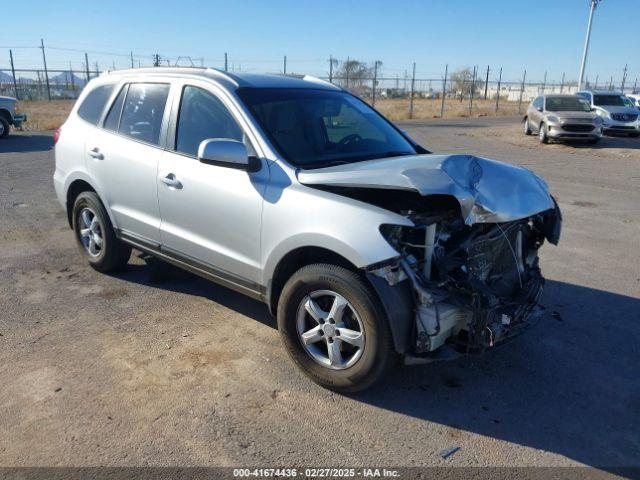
{"x":131,"y":55}
{"x":413,"y":82}
{"x":46,"y":73}
{"x":524,"y":77}
{"x":330,"y":69}
{"x":544,"y":82}
{"x":498,"y":91}
{"x":226,"y":62}
{"x":562,"y":84}
{"x":13,"y":74}
{"x":86,"y":65}
{"x":375,"y":81}
{"x":486,"y":83}
{"x":624,"y":78}
{"x":444,"y":89}
{"x":284,"y":67}
{"x":473,"y":87}
{"x":346,"y":71}
{"x":73,"y":80}
{"x":635,"y":85}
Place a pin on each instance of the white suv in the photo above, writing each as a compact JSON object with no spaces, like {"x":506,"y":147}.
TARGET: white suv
{"x":295,"y":192}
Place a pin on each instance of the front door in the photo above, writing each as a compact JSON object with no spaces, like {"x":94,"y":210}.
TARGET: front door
{"x":210,"y":215}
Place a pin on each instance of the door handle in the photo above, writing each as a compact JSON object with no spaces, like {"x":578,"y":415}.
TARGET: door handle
{"x":171,"y":181}
{"x":95,"y":153}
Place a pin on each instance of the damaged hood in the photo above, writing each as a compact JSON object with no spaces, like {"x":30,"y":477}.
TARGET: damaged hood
{"x":488,"y":191}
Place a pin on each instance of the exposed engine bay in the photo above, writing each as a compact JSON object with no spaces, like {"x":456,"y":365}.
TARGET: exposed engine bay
{"x":470,"y":258}
{"x":473,"y":285}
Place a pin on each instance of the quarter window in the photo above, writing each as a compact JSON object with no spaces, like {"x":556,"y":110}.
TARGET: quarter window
{"x":113,"y":117}
{"x":143,"y":111}
{"x":93,"y":105}
{"x":202,"y":115}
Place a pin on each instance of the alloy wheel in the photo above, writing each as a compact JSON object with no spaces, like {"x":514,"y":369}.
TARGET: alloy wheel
{"x":330,"y":329}
{"x":90,"y":232}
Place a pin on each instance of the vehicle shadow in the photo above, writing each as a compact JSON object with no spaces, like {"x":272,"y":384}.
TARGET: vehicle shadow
{"x":609,"y":142}
{"x":568,"y":386}
{"x":157,"y":274}
{"x":24,"y":143}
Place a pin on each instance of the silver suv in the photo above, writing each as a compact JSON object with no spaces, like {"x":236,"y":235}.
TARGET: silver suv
{"x":290,"y":190}
{"x":618,"y":116}
{"x":562,"y":117}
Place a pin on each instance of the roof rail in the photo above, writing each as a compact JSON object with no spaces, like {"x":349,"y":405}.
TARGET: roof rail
{"x":222,"y":74}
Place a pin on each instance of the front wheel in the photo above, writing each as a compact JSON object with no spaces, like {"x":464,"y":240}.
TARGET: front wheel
{"x":333,"y":328}
{"x":526,"y":127}
{"x":4,"y":127}
{"x":542,"y":134}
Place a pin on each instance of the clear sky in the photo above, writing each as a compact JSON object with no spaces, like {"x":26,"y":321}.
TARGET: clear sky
{"x":539,"y":35}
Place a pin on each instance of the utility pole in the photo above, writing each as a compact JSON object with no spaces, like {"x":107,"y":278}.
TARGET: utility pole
{"x":156,"y":60}
{"x":524,"y":77}
{"x":413,"y":82}
{"x":131,"y":58}
{"x":226,"y":62}
{"x":13,"y":74}
{"x":46,"y":73}
{"x":86,"y":66}
{"x":562,"y":84}
{"x":444,"y":89}
{"x":375,"y":82}
{"x":498,"y":90}
{"x":595,"y":87}
{"x":284,"y":69}
{"x":624,"y":78}
{"x":592,"y":8}
{"x":486,"y":83}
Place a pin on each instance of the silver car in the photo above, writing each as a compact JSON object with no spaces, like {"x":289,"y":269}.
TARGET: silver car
{"x":562,"y":117}
{"x":618,"y":116}
{"x":365,"y":246}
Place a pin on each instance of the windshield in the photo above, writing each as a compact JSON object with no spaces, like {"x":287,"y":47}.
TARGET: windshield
{"x":608,"y":100}
{"x":567,"y":104}
{"x":317,"y":128}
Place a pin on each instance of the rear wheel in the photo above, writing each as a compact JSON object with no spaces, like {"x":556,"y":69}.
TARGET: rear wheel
{"x":527,"y":128}
{"x":4,"y":127}
{"x":95,"y":235}
{"x":542,"y":133}
{"x":332,"y":327}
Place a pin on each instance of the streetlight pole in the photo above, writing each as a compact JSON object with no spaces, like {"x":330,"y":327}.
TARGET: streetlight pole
{"x":594,"y":3}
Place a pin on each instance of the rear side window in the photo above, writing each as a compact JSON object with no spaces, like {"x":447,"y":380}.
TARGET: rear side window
{"x":143,"y":111}
{"x":203,"y":116}
{"x":93,"y":104}
{"x":113,"y":117}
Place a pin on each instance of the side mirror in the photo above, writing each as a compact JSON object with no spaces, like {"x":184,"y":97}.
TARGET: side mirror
{"x":539,"y":109}
{"x":226,"y":152}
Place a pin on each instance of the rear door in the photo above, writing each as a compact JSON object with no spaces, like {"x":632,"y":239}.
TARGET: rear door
{"x":212,"y":215}
{"x":123,"y":157}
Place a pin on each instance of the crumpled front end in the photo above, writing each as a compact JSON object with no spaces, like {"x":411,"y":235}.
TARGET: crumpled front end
{"x":473,"y":285}
{"x":468,"y":266}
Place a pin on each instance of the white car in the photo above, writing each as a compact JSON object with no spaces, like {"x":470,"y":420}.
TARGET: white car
{"x":617,"y":115}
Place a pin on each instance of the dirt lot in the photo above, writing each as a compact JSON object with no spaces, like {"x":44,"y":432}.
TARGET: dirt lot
{"x":157,"y":367}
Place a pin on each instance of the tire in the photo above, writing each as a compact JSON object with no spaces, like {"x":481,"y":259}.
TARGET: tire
{"x":4,"y":127}
{"x":542,"y":133}
{"x":527,"y":128}
{"x":317,"y":283}
{"x":107,"y":255}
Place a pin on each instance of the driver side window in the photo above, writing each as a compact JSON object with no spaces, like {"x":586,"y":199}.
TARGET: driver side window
{"x":202,"y":115}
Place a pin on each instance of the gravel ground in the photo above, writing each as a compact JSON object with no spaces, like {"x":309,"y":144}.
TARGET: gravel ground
{"x":157,"y":367}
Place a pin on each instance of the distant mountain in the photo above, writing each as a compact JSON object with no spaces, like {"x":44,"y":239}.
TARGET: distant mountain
{"x":67,"y":77}
{"x":5,"y":77}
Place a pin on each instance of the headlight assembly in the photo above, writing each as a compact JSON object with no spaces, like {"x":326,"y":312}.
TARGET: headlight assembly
{"x":553,"y":119}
